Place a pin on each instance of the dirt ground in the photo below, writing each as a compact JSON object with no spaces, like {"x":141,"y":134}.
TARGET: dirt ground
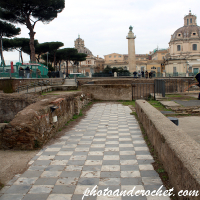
{"x":13,"y":162}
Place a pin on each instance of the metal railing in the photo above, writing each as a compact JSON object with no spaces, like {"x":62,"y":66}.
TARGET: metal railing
{"x":145,"y":90}
{"x":142,"y":90}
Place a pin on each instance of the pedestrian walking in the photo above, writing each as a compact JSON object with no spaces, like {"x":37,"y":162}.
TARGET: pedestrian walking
{"x":38,"y":72}
{"x":197,"y":77}
{"x":146,"y":74}
{"x":21,"y":72}
{"x":139,"y":74}
{"x":27,"y":70}
{"x":142,"y":74}
{"x":49,"y":74}
{"x":134,"y":74}
{"x":150,"y":74}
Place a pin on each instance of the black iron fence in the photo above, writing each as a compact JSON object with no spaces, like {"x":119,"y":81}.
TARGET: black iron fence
{"x":147,"y":90}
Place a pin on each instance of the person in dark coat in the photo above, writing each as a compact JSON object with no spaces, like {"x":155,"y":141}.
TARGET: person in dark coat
{"x":150,"y":74}
{"x":49,"y":74}
{"x":142,"y":73}
{"x":21,"y":72}
{"x":197,"y":77}
{"x":146,"y":74}
{"x":135,"y":73}
{"x":27,"y":70}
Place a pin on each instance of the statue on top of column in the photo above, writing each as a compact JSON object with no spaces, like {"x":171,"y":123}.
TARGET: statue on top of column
{"x":130,"y":28}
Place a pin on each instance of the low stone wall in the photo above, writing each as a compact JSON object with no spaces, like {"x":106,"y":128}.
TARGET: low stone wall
{"x":109,"y":92}
{"x":10,"y":85}
{"x":114,"y":92}
{"x":112,"y":80}
{"x":10,"y":105}
{"x":34,"y":126}
{"x":172,"y":85}
{"x":179,"y":153}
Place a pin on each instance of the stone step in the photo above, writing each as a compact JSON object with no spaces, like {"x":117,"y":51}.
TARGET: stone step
{"x":70,"y":82}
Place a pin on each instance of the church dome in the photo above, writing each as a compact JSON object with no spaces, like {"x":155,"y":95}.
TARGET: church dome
{"x":84,"y":50}
{"x":190,"y":30}
{"x":186,"y":32}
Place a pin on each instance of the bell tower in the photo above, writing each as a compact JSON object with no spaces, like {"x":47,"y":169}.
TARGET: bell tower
{"x":190,"y":19}
{"x":78,"y":43}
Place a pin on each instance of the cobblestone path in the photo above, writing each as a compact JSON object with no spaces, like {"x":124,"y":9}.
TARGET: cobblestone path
{"x":105,"y":149}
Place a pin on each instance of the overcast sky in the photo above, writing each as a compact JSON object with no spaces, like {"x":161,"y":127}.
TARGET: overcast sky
{"x":104,"y":24}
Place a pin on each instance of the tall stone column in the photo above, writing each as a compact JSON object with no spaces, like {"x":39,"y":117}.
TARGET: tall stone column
{"x":131,"y":50}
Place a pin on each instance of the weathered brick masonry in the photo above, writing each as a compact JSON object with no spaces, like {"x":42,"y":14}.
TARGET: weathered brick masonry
{"x":34,"y":126}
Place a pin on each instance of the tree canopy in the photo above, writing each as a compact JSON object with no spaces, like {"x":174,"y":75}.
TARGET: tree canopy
{"x":29,"y":12}
{"x":7,"y":30}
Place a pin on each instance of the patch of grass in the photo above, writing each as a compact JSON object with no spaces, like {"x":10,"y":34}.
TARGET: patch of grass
{"x":1,"y":185}
{"x":173,"y":95}
{"x":158,"y":105}
{"x":161,"y":170}
{"x":36,"y":144}
{"x":127,"y":103}
{"x":79,"y":115}
{"x":60,"y":129}
{"x":133,"y":113}
{"x":45,"y":93}
{"x":179,"y":97}
{"x":6,"y":121}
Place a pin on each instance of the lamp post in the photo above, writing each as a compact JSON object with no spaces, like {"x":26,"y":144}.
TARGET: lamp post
{"x":47,"y":59}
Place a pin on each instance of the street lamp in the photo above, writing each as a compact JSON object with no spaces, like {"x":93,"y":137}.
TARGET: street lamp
{"x":47,"y":59}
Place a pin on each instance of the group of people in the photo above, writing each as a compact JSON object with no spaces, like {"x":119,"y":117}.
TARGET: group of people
{"x":143,"y":74}
{"x":27,"y":72}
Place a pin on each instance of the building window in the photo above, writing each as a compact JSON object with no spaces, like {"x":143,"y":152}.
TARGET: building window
{"x":194,"y":47}
{"x":178,"y":47}
{"x":191,"y":21}
{"x":194,"y":34}
{"x":114,"y":56}
{"x":109,"y":56}
{"x":119,"y":56}
{"x":179,"y":34}
{"x":187,"y":21}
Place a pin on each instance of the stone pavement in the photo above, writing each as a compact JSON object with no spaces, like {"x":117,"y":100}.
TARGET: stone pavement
{"x":191,"y":126}
{"x":188,"y":103}
{"x":106,"y":149}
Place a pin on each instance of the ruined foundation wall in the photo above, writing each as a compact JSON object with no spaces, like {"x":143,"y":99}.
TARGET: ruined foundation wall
{"x":10,"y":105}
{"x":33,"y":126}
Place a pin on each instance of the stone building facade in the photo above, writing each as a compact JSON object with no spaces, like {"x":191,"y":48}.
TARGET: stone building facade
{"x":85,"y":67}
{"x":184,"y":48}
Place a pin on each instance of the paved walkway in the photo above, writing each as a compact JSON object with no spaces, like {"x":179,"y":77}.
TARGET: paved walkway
{"x":105,"y":149}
